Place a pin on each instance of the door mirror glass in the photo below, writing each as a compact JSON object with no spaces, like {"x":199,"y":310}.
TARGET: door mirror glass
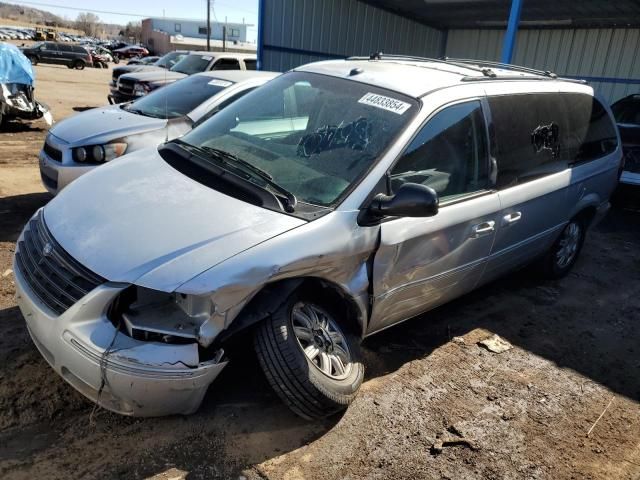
{"x":410,"y":200}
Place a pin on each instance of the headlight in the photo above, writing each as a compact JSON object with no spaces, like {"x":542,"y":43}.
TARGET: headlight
{"x":141,"y":89}
{"x":146,"y":314}
{"x":114,"y":150}
{"x":99,"y":153}
{"x":80,"y":154}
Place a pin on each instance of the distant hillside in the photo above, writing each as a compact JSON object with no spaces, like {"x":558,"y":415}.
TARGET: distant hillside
{"x":28,"y":15}
{"x":24,"y":16}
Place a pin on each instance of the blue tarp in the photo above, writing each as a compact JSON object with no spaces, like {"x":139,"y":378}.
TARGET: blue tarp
{"x":14,"y":66}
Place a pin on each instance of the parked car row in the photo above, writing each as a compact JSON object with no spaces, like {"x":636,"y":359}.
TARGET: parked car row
{"x":133,"y":81}
{"x":304,"y":211}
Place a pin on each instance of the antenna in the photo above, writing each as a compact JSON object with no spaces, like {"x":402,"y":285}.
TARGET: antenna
{"x":166,"y":100}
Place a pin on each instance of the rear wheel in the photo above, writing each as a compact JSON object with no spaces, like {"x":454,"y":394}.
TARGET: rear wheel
{"x":563,"y":254}
{"x":311,"y":362}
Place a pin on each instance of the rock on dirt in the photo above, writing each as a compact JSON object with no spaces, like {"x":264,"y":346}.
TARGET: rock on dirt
{"x":495,"y":344}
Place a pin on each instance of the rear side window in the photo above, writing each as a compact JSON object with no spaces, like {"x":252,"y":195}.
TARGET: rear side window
{"x":251,"y":64}
{"x":449,"y":154}
{"x":227,"y":64}
{"x":79,"y":49}
{"x":627,"y":110}
{"x":65,"y":48}
{"x":535,"y":135}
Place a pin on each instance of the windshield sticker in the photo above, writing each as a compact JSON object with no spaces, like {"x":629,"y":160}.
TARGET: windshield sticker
{"x":206,"y":57}
{"x":386,"y":103}
{"x":220,"y":83}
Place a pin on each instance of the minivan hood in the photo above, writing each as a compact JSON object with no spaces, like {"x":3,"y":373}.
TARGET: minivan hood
{"x":140,"y":221}
{"x":101,"y":125}
{"x":155,"y":76}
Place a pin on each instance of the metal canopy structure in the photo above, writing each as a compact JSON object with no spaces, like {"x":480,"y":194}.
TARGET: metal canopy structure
{"x":594,"y":40}
{"x":446,"y":14}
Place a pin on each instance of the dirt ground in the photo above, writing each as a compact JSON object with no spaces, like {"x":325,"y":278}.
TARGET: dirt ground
{"x":521,"y":414}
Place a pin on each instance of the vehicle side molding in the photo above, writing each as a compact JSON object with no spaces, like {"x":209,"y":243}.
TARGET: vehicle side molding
{"x":411,"y":200}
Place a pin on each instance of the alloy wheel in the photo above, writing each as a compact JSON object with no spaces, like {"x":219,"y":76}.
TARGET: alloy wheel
{"x":321,"y":340}
{"x":569,"y":244}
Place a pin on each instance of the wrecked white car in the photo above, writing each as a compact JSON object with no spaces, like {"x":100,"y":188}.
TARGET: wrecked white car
{"x":332,"y":202}
{"x":16,"y":87}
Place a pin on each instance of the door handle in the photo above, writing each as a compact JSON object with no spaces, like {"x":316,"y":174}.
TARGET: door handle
{"x":482,"y":229}
{"x":511,"y":218}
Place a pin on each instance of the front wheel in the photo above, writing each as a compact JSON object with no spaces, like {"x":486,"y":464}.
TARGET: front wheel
{"x":563,"y":254}
{"x":310,"y":361}
{"x":33,"y":60}
{"x":78,"y":65}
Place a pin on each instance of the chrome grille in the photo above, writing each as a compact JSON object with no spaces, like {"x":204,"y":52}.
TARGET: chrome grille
{"x":632,"y":159}
{"x":55,"y":277}
{"x":126,"y":86}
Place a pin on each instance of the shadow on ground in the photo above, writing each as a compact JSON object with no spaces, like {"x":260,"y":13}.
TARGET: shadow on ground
{"x":586,"y":322}
{"x":16,"y":210}
{"x":18,"y":126}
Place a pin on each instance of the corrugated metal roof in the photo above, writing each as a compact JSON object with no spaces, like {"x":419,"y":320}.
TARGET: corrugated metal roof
{"x":303,"y":31}
{"x":484,"y":13}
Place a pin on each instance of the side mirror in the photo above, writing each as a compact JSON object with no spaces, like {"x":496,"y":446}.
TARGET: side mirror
{"x":411,"y":200}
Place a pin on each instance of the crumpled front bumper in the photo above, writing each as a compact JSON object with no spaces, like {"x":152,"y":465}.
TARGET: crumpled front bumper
{"x":140,"y":378}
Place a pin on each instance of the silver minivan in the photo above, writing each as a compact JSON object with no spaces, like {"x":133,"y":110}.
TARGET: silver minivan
{"x":331,"y":203}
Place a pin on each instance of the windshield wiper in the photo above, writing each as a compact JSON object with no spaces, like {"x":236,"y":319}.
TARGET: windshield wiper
{"x":252,"y":169}
{"x":238,"y":163}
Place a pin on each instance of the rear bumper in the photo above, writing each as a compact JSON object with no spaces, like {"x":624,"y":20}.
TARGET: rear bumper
{"x":137,"y":378}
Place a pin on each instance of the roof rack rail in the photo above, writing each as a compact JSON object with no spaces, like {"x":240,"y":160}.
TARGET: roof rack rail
{"x":487,"y":72}
{"x":504,"y":66}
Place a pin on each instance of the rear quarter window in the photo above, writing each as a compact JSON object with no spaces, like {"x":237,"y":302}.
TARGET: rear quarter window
{"x":534,"y":135}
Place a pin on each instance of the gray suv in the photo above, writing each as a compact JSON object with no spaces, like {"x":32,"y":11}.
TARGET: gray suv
{"x":335,"y":201}
{"x":73,"y":56}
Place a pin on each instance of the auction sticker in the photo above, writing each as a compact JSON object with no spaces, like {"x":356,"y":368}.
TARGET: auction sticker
{"x":386,"y":103}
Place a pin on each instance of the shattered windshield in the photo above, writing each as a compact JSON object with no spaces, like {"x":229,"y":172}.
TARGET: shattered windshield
{"x":313,"y":135}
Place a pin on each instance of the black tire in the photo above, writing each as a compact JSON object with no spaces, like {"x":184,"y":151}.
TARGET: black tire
{"x":33,"y":60}
{"x":297,"y":380}
{"x":78,"y":65}
{"x":552,"y":266}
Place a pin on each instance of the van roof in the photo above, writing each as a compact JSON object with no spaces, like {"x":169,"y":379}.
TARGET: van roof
{"x":222,"y":54}
{"x":417,"y":76}
{"x":238,"y":75}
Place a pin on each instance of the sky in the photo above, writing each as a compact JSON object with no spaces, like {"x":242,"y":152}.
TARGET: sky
{"x":233,"y":10}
